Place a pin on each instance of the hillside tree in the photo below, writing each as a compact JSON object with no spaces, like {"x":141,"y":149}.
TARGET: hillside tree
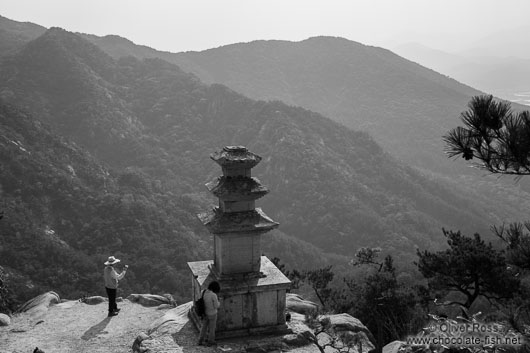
{"x":470,"y":268}
{"x":517,"y":239}
{"x":386,"y":306}
{"x":320,"y":279}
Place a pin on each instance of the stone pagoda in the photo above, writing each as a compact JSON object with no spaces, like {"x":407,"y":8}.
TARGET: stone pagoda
{"x":252,"y":288}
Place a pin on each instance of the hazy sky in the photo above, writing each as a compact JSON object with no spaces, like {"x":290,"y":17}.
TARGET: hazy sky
{"x":176,"y":25}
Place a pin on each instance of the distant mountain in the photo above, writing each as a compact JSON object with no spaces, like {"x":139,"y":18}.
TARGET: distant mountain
{"x":501,"y":76}
{"x":143,"y":130}
{"x":81,"y":177}
{"x":514,"y":42}
{"x":402,"y":104}
{"x":331,"y":186}
{"x":434,"y":59}
{"x":405,"y":106}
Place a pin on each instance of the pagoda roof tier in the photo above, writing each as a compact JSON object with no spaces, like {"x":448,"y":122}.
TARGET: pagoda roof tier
{"x":235,"y":157}
{"x":219,"y":222}
{"x":237,"y":188}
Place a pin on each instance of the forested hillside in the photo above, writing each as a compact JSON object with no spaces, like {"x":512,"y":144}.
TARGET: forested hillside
{"x":402,"y":104}
{"x":64,"y":212}
{"x":110,"y":156}
{"x":14,"y":35}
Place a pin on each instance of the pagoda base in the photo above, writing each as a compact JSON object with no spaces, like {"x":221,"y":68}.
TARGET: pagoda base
{"x":250,"y":304}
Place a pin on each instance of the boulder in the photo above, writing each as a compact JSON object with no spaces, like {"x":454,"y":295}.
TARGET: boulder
{"x":40,"y":303}
{"x":162,"y":344}
{"x":67,"y":304}
{"x":5,"y":320}
{"x":296,"y":303}
{"x":165,"y":306}
{"x":301,"y":335}
{"x":359,"y":340}
{"x":149,"y":299}
{"x":172,"y":321}
{"x":352,"y":327}
{"x":393,"y":347}
{"x":172,"y":300}
{"x":297,"y":339}
{"x":159,"y":337}
{"x":137,"y":345}
{"x":345,"y":322}
{"x":94,"y":300}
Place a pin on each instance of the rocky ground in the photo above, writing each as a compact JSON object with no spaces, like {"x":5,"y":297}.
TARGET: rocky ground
{"x":142,"y":326}
{"x":73,"y":326}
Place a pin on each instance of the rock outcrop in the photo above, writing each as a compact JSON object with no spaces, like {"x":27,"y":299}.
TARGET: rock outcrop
{"x":73,"y":326}
{"x":59,"y":327}
{"x":393,"y":347}
{"x":172,"y":321}
{"x":350,"y":329}
{"x":40,"y":304}
{"x":152,"y":299}
{"x":94,"y":300}
{"x":346,"y":322}
{"x":174,"y":332}
{"x":159,"y":336}
{"x":5,"y":320}
{"x":302,"y":335}
{"x":297,"y":304}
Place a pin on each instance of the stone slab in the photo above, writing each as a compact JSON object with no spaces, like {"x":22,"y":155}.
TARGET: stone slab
{"x":270,"y":278}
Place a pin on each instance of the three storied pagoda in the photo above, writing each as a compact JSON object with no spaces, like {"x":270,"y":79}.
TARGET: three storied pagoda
{"x":252,"y":288}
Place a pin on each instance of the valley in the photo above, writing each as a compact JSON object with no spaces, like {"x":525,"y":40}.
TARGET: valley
{"x":107,"y":143}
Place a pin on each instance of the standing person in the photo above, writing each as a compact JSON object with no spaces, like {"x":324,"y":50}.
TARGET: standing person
{"x":209,"y":321}
{"x":111,"y":283}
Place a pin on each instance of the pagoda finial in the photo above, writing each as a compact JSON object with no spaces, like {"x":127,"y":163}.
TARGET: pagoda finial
{"x":236,"y":159}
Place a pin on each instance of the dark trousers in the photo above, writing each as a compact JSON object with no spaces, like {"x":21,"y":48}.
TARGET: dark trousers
{"x":208,"y":328}
{"x":111,"y":293}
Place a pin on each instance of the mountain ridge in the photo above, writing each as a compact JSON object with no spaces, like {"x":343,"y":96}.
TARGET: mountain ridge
{"x":13,"y":34}
{"x":295,"y":79}
{"x":406,"y":115}
{"x":332,"y":187}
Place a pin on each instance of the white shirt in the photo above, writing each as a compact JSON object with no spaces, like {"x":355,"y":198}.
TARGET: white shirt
{"x":211,"y":303}
{"x":112,"y":277}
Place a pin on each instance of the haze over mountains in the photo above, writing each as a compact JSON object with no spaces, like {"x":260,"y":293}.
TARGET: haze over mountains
{"x":401,"y":104}
{"x":505,"y":77}
{"x":404,"y":106}
{"x":365,"y":88}
{"x":106,"y":153}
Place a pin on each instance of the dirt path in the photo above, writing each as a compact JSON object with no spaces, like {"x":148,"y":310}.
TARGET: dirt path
{"x":77,"y":327}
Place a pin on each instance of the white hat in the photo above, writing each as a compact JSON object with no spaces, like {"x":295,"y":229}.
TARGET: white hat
{"x":112,"y":260}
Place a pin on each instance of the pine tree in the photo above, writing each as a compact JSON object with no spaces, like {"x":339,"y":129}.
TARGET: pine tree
{"x":494,"y":135}
{"x":469,"y":267}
